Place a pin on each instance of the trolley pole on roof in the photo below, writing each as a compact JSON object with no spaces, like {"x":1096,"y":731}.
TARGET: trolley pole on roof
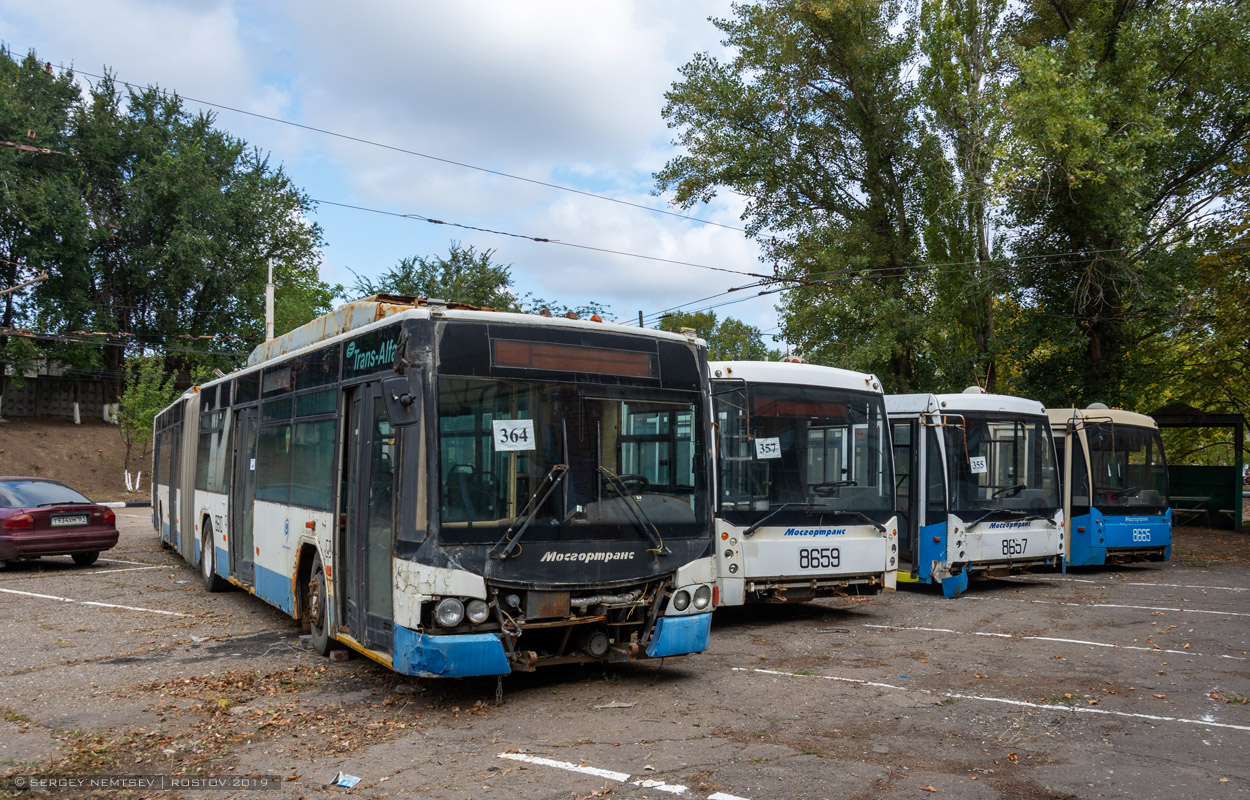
{"x":269,"y":304}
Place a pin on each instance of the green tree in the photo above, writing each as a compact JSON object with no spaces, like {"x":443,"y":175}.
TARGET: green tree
{"x":149,"y":389}
{"x":963,"y":80}
{"x":816,"y":122}
{"x":727,"y":340}
{"x":37,"y":192}
{"x":466,"y":275}
{"x":1125,"y":121}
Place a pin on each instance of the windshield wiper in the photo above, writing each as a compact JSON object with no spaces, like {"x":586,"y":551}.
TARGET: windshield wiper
{"x":774,"y":512}
{"x":641,"y":519}
{"x":1023,"y":515}
{"x":550,"y":481}
{"x":862,"y":516}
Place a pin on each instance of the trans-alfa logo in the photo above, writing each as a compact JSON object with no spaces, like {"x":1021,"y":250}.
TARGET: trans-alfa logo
{"x":1006,"y":526}
{"x":815,"y":532}
{"x":584,"y":557}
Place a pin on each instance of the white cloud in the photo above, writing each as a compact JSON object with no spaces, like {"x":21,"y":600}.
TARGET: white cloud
{"x":560,"y":91}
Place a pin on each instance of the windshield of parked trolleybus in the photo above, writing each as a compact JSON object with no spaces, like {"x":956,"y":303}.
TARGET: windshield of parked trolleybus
{"x":596,"y":464}
{"x":1000,"y":463}
{"x":809,"y":451}
{"x":1128,"y":469}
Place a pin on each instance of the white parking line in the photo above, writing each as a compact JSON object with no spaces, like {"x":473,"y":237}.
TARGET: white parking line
{"x":1155,"y":649}
{"x":1006,"y":701}
{"x":130,"y":569}
{"x":94,"y":603}
{"x":619,"y":777}
{"x":1053,"y":578}
{"x":1122,"y":605}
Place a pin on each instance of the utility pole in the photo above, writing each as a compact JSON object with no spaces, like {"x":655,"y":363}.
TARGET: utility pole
{"x":269,"y":304}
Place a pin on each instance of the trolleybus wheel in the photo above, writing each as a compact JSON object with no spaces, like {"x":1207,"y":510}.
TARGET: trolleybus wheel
{"x":208,"y":560}
{"x":318,"y":608}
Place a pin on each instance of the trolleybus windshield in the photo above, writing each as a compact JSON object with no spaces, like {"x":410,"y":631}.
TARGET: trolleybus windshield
{"x":1000,"y":466}
{"x":794,"y":451}
{"x":591,"y":461}
{"x":1128,"y":469}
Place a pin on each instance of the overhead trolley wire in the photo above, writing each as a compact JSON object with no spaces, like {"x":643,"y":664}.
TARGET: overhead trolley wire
{"x":406,"y":151}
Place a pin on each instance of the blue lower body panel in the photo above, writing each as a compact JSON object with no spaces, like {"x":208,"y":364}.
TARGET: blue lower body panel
{"x":1104,"y":535}
{"x":221,"y":564}
{"x":677,"y":636}
{"x":274,"y":589}
{"x":455,"y":656}
{"x":955,"y":585}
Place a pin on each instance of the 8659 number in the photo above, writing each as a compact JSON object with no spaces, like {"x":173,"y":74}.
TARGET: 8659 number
{"x":819,"y":558}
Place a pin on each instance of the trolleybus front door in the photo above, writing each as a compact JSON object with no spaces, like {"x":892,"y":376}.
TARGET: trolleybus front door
{"x":906,"y":437}
{"x":368,"y":492}
{"x":243,"y":496}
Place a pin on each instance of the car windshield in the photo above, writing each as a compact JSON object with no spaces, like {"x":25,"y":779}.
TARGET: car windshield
{"x":1128,"y":468}
{"x":587,"y":460}
{"x":1000,"y":464}
{"x":800,"y":450}
{"x":31,"y":494}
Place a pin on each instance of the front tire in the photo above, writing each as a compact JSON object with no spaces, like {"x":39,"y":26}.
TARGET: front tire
{"x":84,"y":559}
{"x":208,"y":560}
{"x":318,"y":609}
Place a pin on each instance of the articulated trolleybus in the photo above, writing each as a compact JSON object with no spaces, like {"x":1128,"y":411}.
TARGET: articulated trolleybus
{"x":978,"y":489}
{"x":805,"y":490}
{"x":1115,"y":485}
{"x":455,"y":491}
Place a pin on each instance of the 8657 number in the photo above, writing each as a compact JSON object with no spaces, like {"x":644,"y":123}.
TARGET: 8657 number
{"x":1014,"y":547}
{"x":819,"y":557}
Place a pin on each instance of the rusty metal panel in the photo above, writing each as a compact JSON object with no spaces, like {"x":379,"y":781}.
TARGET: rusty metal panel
{"x":546,"y":605}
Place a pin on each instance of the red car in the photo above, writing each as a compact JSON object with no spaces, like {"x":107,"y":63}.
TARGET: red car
{"x":39,"y":517}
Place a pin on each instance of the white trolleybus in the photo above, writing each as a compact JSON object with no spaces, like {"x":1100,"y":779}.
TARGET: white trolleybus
{"x":1115,"y":485}
{"x":805,"y":489}
{"x":978,"y":489}
{"x":454,"y":491}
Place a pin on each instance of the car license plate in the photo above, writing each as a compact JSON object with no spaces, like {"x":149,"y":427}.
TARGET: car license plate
{"x":69,"y":519}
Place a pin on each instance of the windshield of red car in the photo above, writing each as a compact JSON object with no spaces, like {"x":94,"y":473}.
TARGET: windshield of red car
{"x":30,"y":494}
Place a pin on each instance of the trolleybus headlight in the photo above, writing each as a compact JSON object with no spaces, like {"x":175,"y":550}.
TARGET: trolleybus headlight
{"x":681,"y":600}
{"x":478,"y":611}
{"x":449,"y":612}
{"x":702,"y":596}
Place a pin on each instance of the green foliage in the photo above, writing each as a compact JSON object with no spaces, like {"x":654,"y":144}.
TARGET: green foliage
{"x":727,"y":340}
{"x":1016,"y":195}
{"x":815,"y":122}
{"x":466,"y":275}
{"x":153,"y":224}
{"x":148,"y":390}
{"x":1125,"y":120}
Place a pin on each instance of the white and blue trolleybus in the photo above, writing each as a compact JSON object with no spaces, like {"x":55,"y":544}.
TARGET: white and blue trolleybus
{"x":1115,"y":485}
{"x":454,"y":491}
{"x":978,"y":489}
{"x":805,"y":489}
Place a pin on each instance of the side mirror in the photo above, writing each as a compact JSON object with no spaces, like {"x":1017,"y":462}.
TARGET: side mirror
{"x":402,"y":398}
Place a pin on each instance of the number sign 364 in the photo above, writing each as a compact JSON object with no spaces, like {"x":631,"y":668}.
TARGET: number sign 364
{"x":513,"y":434}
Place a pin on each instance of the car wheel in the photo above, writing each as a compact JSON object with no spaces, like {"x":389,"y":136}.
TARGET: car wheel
{"x":85,"y":559}
{"x":208,"y":560}
{"x":318,"y":609}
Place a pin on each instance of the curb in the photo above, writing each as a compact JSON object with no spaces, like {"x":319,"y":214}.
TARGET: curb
{"x":135,"y":504}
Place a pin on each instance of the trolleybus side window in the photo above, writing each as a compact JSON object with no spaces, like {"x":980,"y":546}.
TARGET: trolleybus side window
{"x":1127,"y":466}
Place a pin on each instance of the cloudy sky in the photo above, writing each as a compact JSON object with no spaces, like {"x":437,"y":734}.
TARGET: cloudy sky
{"x":567,"y":93}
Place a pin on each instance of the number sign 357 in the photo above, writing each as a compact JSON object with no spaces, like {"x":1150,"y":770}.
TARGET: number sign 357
{"x":513,"y":434}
